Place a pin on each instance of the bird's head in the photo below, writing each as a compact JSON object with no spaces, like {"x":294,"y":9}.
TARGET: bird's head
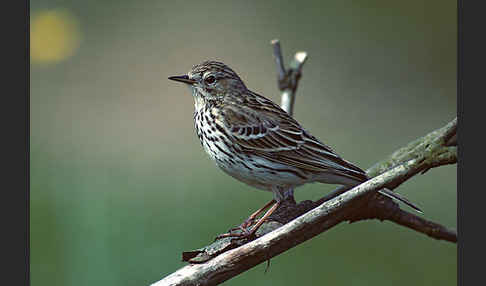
{"x":212,"y":80}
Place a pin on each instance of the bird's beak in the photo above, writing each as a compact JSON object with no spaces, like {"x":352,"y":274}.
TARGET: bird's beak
{"x":182,"y":78}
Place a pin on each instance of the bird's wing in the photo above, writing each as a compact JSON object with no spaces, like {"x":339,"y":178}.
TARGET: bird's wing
{"x":262,"y":128}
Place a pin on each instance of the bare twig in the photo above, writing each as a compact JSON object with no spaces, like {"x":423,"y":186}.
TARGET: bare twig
{"x":277,"y":53}
{"x":412,"y":221}
{"x":288,"y":80}
{"x":294,"y":223}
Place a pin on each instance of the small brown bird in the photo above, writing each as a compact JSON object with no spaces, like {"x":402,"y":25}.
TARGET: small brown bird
{"x":255,"y":141}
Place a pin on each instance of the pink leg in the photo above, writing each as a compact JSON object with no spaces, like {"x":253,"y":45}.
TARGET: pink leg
{"x":262,"y":220}
{"x":244,"y":233}
{"x":251,"y":219}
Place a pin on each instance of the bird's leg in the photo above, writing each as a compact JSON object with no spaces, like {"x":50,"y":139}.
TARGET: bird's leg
{"x":262,"y":220}
{"x":279,"y":194}
{"x":259,"y":223}
{"x":251,"y":219}
{"x":244,"y":231}
{"x":247,"y":223}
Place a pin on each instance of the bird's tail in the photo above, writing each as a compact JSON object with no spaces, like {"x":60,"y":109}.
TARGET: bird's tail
{"x":393,"y":195}
{"x":354,"y":177}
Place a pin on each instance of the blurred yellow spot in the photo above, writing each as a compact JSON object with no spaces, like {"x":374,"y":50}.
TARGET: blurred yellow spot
{"x":54,"y":36}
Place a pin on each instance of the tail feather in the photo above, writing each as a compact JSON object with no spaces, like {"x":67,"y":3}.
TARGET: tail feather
{"x":393,"y":195}
{"x":352,"y":178}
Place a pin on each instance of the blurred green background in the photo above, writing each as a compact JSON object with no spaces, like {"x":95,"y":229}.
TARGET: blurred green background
{"x":120,"y":185}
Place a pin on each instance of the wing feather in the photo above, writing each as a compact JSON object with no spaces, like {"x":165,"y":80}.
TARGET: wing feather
{"x":262,"y":128}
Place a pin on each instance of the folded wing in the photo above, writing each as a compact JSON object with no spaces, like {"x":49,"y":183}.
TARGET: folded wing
{"x":262,"y":128}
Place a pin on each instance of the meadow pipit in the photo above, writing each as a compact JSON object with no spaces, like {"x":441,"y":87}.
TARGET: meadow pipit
{"x":255,"y":141}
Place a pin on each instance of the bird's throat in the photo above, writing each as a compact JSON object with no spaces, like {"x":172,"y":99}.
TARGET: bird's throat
{"x":199,"y":102}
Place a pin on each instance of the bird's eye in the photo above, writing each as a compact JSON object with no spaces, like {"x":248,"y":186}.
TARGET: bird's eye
{"x":210,"y":79}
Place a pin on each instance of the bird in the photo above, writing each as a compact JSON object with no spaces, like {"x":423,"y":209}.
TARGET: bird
{"x":254,"y":140}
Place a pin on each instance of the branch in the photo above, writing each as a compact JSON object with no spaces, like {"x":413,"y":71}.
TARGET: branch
{"x":288,"y":80}
{"x":294,"y":223}
{"x":323,"y":217}
{"x":438,"y":146}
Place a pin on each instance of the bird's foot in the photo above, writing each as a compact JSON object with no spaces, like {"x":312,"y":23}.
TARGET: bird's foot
{"x":243,"y":229}
{"x":247,"y":235}
{"x":247,"y":223}
{"x":240,"y":232}
{"x":244,"y":226}
{"x":230,"y":234}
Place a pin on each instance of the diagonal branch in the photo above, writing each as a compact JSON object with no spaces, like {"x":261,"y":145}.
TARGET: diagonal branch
{"x":294,"y":223}
{"x":346,"y":206}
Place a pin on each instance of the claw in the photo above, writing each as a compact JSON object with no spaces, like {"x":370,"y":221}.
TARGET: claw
{"x":243,"y":227}
{"x":249,"y":236}
{"x":244,"y":233}
{"x":229,"y":234}
{"x":247,"y":223}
